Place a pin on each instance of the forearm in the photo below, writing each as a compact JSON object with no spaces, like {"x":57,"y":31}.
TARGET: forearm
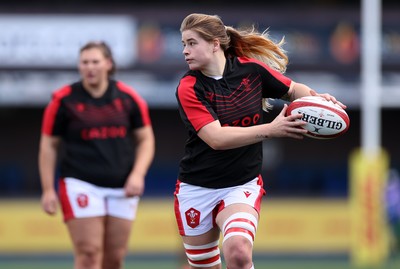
{"x":298,"y":90}
{"x":47,"y":164}
{"x":144,"y":154}
{"x":228,"y":137}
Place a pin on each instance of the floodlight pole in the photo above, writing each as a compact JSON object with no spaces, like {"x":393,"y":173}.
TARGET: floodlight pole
{"x":371,"y":75}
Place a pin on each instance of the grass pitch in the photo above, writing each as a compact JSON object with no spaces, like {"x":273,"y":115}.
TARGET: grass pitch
{"x":163,"y":261}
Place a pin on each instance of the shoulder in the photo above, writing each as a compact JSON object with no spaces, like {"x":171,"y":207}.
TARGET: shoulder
{"x":261,"y":67}
{"x":125,"y":88}
{"x":246,"y":63}
{"x":189,"y":79}
{"x":247,"y":60}
{"x":128,"y":90}
{"x":187,"y":84}
{"x":62,"y":92}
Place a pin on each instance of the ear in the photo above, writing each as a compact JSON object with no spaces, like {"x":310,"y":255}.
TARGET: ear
{"x":109,"y":64}
{"x":216,"y":45}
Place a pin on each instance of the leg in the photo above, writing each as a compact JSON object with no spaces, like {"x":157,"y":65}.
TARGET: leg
{"x":238,"y":223}
{"x":87,"y":238}
{"x":202,"y":251}
{"x":116,"y":239}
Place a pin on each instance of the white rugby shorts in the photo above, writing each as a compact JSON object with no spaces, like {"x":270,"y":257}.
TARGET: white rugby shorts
{"x":80,"y":199}
{"x":197,"y":207}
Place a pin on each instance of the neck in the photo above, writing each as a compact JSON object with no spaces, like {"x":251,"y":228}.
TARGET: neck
{"x":96,"y":90}
{"x":216,"y":68}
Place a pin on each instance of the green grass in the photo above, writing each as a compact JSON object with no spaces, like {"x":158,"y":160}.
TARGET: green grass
{"x":171,"y":262}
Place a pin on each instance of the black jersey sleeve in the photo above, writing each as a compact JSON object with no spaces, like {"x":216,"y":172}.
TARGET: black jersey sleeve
{"x":275,"y":84}
{"x":194,"y":108}
{"x":54,"y":120}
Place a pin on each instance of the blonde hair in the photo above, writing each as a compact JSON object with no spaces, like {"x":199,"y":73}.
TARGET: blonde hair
{"x":241,"y":43}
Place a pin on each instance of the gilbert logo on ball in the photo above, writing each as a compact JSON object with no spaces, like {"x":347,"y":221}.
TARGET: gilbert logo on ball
{"x":325,"y":120}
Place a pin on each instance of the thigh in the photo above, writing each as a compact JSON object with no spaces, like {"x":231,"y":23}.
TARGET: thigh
{"x":203,"y":239}
{"x":86,"y":233}
{"x":250,"y":194}
{"x":228,"y":211}
{"x":116,"y":234}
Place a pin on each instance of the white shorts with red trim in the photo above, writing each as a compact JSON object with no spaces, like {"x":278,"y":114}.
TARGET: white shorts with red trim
{"x":80,"y":199}
{"x":197,"y":207}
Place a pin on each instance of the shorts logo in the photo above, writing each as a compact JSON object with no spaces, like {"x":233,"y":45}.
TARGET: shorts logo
{"x":192,"y":217}
{"x":247,"y":193}
{"x":82,"y":200}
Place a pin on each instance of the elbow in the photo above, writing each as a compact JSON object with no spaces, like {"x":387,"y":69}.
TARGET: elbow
{"x":217,"y":144}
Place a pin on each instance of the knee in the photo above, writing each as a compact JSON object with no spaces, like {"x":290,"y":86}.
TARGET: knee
{"x":114,"y":259}
{"x":88,"y":256}
{"x":239,"y":231}
{"x":238,"y":252}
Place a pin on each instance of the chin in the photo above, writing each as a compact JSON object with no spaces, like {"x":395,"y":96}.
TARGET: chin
{"x":193,"y":67}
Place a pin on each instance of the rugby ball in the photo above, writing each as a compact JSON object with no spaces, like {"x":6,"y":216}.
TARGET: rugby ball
{"x":325,"y":120}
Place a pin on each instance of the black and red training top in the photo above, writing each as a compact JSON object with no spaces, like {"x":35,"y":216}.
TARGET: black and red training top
{"x":97,"y":132}
{"x":234,"y":100}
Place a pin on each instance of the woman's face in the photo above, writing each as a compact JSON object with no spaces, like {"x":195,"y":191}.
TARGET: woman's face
{"x":197,"y":51}
{"x":94,"y":66}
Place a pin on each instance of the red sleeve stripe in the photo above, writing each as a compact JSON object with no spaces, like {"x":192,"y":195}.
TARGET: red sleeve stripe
{"x":279,"y":76}
{"x":143,"y":107}
{"x":51,"y":110}
{"x":195,"y":111}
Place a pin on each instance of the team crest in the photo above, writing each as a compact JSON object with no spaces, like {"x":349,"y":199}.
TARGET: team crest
{"x":192,"y":217}
{"x":246,"y":84}
{"x":82,"y":200}
{"x":210,"y":96}
{"x":80,"y":107}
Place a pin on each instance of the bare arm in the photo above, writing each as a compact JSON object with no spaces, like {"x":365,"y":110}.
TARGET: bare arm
{"x":48,"y":151}
{"x":145,"y":148}
{"x":228,"y":137}
{"x":298,"y":90}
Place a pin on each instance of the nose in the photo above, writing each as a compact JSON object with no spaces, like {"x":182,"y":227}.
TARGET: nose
{"x":185,"y":51}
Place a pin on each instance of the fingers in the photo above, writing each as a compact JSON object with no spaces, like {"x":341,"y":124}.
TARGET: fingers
{"x":341,"y":105}
{"x":296,"y":126}
{"x":50,"y":207}
{"x":131,"y":191}
{"x":294,"y":117}
{"x":284,"y":109}
{"x":333,"y":99}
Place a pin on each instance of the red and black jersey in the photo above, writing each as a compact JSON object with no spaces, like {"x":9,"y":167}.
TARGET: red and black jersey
{"x":97,"y":132}
{"x":234,"y":100}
